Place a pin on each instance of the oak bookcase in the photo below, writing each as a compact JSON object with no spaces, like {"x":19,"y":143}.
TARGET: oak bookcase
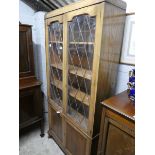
{"x":83,"y":44}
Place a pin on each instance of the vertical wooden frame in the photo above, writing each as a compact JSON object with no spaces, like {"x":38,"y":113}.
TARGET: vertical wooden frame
{"x":65,"y":73}
{"x":65,"y":62}
{"x":96,"y":60}
{"x":47,"y":70}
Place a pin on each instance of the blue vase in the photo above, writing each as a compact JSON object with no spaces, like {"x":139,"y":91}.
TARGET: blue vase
{"x":131,"y":85}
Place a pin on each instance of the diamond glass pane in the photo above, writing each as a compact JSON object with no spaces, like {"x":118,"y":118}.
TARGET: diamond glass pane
{"x":55,"y":61}
{"x":80,"y":61}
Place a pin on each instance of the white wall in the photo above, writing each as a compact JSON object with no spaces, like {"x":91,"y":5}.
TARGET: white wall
{"x":28,"y":16}
{"x":40,"y":54}
{"x":123,"y":77}
{"x":131,"y":7}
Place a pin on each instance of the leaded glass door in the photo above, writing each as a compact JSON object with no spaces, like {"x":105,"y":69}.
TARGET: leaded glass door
{"x":81,"y":30}
{"x":55,"y":58}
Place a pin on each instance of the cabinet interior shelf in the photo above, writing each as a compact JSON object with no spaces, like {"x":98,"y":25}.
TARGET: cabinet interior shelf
{"x":79,"y":95}
{"x":54,"y":42}
{"x":58,"y":65}
{"x":81,"y":43}
{"x":81,"y":72}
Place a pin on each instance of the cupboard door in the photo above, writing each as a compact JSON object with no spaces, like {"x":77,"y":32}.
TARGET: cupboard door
{"x":55,"y":58}
{"x":76,"y":143}
{"x":80,"y":26}
{"x":55,"y":124}
{"x":30,"y":106}
{"x":118,"y":139}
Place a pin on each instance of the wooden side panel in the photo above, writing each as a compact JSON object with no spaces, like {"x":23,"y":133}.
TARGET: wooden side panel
{"x":111,"y":43}
{"x":75,"y":142}
{"x":112,"y":37}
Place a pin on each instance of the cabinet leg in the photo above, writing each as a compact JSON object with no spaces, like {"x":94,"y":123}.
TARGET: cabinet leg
{"x":42,"y":128}
{"x":49,"y":135}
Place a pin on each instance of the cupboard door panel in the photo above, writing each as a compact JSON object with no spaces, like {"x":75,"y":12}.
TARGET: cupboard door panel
{"x":55,"y":123}
{"x":23,"y":54}
{"x":75,"y":142}
{"x":26,"y":64}
{"x":26,"y":105}
{"x":119,"y":142}
{"x":116,"y":139}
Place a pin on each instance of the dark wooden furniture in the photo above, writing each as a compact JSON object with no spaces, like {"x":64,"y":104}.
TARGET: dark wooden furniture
{"x":30,"y":97}
{"x":83,"y":44}
{"x":117,"y":132}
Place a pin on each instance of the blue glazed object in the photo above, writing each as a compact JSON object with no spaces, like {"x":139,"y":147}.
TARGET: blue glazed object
{"x":131,"y":85}
{"x":132,"y":79}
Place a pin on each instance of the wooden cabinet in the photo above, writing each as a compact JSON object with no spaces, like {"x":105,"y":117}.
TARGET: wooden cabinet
{"x":117,"y":134}
{"x":30,"y":97}
{"x":83,"y":44}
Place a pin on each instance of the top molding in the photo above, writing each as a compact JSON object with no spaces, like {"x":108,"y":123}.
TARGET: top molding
{"x":81,"y":4}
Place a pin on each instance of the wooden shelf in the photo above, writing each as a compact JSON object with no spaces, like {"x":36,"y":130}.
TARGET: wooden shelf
{"x":60,"y":42}
{"x":59,"y":66}
{"x":80,"y":96}
{"x":80,"y":72}
{"x":57,"y":83}
{"x":82,"y":43}
{"x":76,"y":70}
{"x":76,"y":116}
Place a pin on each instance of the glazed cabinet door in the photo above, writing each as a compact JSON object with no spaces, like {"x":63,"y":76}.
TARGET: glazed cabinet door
{"x":54,"y":42}
{"x":54,"y":55}
{"x":80,"y":31}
